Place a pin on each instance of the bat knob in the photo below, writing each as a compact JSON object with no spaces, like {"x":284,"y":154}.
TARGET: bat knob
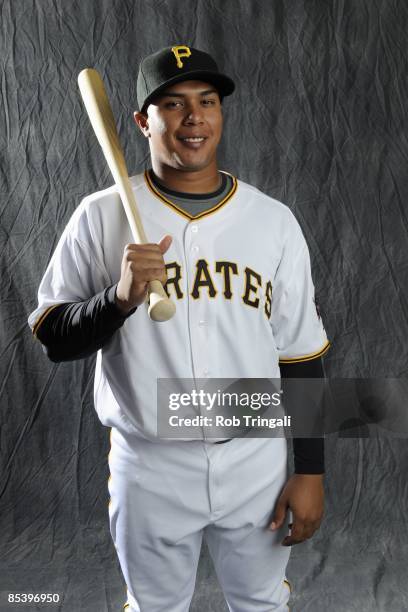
{"x":161,"y":308}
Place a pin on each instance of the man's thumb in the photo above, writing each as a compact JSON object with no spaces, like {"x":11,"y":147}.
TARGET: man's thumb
{"x":279,"y":516}
{"x":164,"y":243}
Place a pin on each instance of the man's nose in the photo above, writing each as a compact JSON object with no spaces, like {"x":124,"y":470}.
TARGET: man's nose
{"x":194,"y":113}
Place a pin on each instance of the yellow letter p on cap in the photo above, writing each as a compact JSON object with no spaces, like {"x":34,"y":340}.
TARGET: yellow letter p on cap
{"x":179,"y":52}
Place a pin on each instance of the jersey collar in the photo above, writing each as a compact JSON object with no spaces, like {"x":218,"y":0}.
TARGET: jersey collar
{"x":182,"y":212}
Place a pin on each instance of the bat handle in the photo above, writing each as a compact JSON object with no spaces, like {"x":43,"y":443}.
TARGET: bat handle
{"x":161,"y":308}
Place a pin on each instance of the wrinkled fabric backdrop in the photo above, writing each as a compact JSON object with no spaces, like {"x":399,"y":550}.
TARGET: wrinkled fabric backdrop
{"x":318,"y":121}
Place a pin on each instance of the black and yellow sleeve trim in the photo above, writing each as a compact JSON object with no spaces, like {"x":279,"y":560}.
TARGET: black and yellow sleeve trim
{"x":309,"y":357}
{"x":42,"y":317}
{"x":182,"y":212}
{"x":289,"y":586}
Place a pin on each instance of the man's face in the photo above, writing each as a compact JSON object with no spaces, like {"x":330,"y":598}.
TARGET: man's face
{"x":184,"y":125}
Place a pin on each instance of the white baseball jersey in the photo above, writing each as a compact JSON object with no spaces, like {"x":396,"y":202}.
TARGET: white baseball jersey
{"x":239,"y":275}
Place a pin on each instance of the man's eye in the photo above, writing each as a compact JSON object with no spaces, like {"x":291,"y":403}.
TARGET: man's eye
{"x":209,"y":102}
{"x":173,"y":104}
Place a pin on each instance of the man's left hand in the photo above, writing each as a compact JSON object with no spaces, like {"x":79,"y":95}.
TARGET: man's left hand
{"x":303,"y":494}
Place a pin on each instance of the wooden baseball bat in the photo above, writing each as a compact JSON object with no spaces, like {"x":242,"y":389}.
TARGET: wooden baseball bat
{"x":99,"y":110}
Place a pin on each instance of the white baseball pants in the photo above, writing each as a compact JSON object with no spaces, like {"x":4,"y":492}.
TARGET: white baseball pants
{"x":166,"y":496}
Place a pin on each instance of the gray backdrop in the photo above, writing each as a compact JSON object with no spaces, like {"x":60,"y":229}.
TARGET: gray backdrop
{"x":319,"y":122}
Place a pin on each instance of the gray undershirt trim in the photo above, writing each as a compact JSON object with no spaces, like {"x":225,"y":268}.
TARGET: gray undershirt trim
{"x":200,"y":203}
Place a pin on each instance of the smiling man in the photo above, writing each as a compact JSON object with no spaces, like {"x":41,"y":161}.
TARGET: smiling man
{"x":187,"y":145}
{"x":237,"y":265}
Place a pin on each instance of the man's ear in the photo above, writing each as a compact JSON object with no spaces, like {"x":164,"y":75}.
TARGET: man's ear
{"x":142,"y":122}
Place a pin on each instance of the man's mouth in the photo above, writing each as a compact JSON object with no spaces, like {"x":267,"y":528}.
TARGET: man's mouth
{"x":193,"y":139}
{"x":193,"y":143}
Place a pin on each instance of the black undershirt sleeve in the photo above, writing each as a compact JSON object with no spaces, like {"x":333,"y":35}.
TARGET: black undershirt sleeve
{"x":75,"y":330}
{"x":308,"y":452}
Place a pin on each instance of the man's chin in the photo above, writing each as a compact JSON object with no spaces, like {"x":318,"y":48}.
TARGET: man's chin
{"x":195,"y":168}
{"x":191,"y":165}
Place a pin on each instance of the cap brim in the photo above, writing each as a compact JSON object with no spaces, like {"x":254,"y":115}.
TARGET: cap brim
{"x":222,"y":82}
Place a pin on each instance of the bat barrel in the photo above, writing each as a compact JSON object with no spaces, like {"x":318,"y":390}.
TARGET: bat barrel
{"x":99,"y":110}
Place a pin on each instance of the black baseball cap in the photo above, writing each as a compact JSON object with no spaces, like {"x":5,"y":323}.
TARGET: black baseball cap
{"x":173,"y":65}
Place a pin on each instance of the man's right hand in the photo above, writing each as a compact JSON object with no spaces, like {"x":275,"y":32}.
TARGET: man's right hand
{"x":141,"y":263}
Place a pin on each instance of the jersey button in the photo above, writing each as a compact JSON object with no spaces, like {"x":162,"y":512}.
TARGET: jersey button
{"x":202,"y":322}
{"x":194,"y":228}
{"x":195,"y":248}
{"x":206,"y":373}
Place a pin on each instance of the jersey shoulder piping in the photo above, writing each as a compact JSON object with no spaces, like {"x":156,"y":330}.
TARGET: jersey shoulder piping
{"x":182,"y":212}
{"x":308,"y":357}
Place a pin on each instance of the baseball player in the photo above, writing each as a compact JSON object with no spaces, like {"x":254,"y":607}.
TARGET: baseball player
{"x":237,"y":265}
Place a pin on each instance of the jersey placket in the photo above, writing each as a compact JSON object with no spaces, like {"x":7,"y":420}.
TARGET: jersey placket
{"x":197,"y":321}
